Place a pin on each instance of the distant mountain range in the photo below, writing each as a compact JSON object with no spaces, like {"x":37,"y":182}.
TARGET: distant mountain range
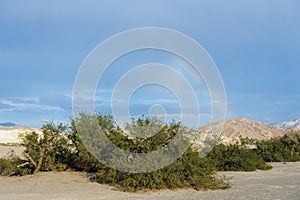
{"x":7,"y":124}
{"x":291,"y":125}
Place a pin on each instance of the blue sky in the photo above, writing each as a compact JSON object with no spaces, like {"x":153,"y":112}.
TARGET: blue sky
{"x":255,"y":44}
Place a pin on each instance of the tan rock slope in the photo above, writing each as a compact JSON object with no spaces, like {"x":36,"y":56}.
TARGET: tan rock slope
{"x":240,"y":127}
{"x":11,"y":134}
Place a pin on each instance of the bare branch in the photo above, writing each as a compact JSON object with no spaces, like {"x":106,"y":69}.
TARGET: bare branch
{"x":30,"y":159}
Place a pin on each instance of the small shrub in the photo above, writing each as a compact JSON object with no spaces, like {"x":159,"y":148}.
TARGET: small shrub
{"x":6,"y":167}
{"x":284,"y":149}
{"x":235,"y":157}
{"x":47,"y":151}
{"x":13,"y":165}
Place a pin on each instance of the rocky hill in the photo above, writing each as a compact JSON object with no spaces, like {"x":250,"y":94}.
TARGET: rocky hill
{"x":230,"y":131}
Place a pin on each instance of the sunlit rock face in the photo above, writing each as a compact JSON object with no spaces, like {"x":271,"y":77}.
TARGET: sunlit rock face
{"x":230,"y":131}
{"x":10,"y":134}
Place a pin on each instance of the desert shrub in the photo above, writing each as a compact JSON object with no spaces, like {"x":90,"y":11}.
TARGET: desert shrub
{"x":6,"y":167}
{"x":47,"y":151}
{"x":12,"y":165}
{"x":93,"y":140}
{"x":80,"y":158}
{"x":284,"y":149}
{"x":189,"y":171}
{"x":235,"y":157}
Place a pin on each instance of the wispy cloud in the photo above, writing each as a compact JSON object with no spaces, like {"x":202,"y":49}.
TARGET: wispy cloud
{"x":28,"y":99}
{"x":24,"y":106}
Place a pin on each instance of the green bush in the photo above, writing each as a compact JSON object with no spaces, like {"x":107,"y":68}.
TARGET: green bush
{"x":12,"y":165}
{"x":6,"y":167}
{"x":47,"y":151}
{"x":284,"y":149}
{"x":235,"y":157}
{"x":187,"y":172}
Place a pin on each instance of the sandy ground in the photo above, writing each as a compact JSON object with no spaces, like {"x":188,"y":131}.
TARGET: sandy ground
{"x":282,"y":182}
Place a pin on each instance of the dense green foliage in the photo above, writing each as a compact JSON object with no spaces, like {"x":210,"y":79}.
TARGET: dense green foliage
{"x":284,"y":149}
{"x":238,"y":157}
{"x":49,"y":151}
{"x":187,"y":171}
{"x":6,"y":167}
{"x":9,"y":165}
{"x":235,"y":157}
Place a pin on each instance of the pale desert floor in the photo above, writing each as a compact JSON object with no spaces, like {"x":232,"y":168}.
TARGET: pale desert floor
{"x":282,"y":182}
{"x":5,"y":150}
